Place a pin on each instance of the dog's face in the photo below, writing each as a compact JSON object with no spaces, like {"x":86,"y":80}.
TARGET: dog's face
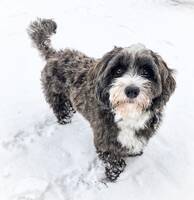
{"x":132,"y":79}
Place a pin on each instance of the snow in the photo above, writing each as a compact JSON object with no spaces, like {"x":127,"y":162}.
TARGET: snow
{"x":41,"y":160}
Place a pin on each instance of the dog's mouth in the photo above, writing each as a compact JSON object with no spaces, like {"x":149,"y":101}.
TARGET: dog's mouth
{"x":122,"y":103}
{"x":127,"y":108}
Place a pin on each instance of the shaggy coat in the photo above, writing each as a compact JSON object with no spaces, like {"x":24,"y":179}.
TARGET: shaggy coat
{"x":73,"y":82}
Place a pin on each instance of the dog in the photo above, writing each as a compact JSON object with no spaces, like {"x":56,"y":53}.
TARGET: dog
{"x":122,"y":95}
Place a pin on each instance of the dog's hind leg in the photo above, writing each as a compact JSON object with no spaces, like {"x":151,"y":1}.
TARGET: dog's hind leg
{"x":61,"y":106}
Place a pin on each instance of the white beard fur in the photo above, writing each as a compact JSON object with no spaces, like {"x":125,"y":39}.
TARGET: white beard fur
{"x":128,"y":125}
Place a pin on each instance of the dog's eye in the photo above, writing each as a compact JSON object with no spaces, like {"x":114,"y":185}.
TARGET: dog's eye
{"x":118,"y":72}
{"x":147,"y":72}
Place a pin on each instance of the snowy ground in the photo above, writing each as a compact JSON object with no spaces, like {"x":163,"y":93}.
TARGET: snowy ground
{"x":41,"y":160}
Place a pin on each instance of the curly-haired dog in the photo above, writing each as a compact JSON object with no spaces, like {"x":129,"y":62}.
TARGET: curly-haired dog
{"x":122,"y":95}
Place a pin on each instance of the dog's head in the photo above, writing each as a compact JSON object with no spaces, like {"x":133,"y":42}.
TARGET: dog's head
{"x":133,"y":79}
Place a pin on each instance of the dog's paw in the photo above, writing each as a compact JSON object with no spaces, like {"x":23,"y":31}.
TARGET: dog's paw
{"x":64,"y":121}
{"x":113,"y":170}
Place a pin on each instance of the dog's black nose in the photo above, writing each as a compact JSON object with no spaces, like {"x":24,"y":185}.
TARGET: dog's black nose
{"x":132,"y":91}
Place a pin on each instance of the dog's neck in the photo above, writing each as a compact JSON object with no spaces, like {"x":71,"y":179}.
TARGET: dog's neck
{"x":133,"y":120}
{"x":127,"y":131}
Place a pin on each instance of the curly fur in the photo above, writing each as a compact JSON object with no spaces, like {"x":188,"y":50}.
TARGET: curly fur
{"x":73,"y":81}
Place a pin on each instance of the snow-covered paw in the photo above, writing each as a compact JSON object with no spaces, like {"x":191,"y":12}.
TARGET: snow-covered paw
{"x":113,"y":170}
{"x":64,"y":121}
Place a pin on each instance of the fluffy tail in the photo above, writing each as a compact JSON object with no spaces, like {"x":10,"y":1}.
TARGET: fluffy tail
{"x":40,"y":32}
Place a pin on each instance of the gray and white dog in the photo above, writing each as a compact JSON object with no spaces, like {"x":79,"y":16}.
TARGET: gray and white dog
{"x":122,"y":94}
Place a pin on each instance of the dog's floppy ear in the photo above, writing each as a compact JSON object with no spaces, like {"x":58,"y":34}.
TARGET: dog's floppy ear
{"x":99,"y":76}
{"x":102,"y":63}
{"x":167,"y":80}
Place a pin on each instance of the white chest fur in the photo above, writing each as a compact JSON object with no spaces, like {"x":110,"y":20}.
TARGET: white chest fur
{"x":127,"y":136}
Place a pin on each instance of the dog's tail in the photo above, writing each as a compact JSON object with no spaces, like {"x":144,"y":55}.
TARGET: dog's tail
{"x":40,"y":32}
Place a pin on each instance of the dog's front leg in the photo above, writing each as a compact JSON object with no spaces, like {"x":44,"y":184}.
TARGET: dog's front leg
{"x":114,"y":165}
